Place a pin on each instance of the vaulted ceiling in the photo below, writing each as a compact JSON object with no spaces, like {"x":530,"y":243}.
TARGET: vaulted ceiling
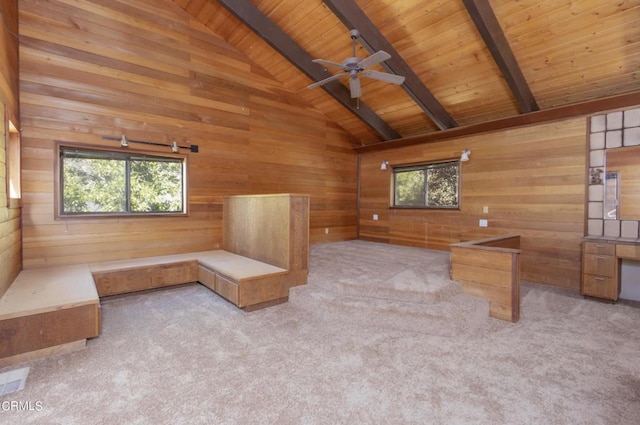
{"x":466,"y":62}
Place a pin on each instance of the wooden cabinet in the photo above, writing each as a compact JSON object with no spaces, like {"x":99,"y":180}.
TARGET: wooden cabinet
{"x":226,"y":288}
{"x":600,"y":269}
{"x":122,"y":281}
{"x":174,"y":273}
{"x":207,"y":277}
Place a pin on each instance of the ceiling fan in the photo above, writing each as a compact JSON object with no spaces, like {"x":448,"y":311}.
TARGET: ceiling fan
{"x":355,"y":66}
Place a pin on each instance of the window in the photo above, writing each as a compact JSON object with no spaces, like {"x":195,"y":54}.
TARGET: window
{"x":433,"y":185}
{"x":96,"y":182}
{"x":13,"y":162}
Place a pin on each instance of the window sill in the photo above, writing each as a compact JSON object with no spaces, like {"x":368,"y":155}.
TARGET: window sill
{"x":415,"y":207}
{"x":118,"y":216}
{"x":14,"y":203}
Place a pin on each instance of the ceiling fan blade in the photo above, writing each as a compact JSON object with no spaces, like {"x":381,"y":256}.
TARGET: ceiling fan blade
{"x":383,"y":76}
{"x":354,"y":85}
{"x":328,"y":63}
{"x":326,"y":80}
{"x":374,"y":59}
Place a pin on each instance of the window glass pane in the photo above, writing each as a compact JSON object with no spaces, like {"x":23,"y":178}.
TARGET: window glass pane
{"x":93,"y":186}
{"x":442,"y":184}
{"x":156,"y":186}
{"x":432,"y":185}
{"x":409,"y":188}
{"x":111,"y":182}
{"x":13,"y":162}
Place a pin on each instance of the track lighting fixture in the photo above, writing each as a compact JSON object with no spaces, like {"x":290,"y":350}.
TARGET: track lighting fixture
{"x":175,"y":147}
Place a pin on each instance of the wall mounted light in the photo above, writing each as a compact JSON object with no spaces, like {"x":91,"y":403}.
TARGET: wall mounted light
{"x":465,"y":155}
{"x":384,"y":165}
{"x":123,"y":142}
{"x":174,"y":147}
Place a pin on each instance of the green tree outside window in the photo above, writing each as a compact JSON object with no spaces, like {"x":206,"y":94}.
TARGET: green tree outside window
{"x":104,"y":182}
{"x":432,"y":185}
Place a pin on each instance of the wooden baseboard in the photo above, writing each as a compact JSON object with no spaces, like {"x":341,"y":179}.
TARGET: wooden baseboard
{"x":44,"y":352}
{"x":265,"y":304}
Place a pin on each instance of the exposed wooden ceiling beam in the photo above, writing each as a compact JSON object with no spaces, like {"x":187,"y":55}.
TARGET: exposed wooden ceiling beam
{"x":537,"y":117}
{"x":372,"y":39}
{"x":259,"y":23}
{"x":487,"y":24}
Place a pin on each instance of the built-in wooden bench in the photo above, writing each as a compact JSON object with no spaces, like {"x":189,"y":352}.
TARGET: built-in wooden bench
{"x":247,"y":283}
{"x":490,"y":268}
{"x":48,"y":311}
{"x":52,"y":310}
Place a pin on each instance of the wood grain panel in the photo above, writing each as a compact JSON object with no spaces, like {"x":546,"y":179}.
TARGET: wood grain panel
{"x":10,"y":227}
{"x":289,"y":16}
{"x":147,"y":69}
{"x":490,"y":268}
{"x":29,"y":333}
{"x":228,"y":290}
{"x":551,"y":42}
{"x":174,"y":274}
{"x":568,"y":51}
{"x":142,"y":278}
{"x":532,"y":179}
{"x":270,"y":228}
{"x":598,"y":286}
{"x":122,"y":281}
{"x":207,"y":277}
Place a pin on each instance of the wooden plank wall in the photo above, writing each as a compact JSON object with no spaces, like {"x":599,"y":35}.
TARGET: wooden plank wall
{"x":532,"y":179}
{"x":10,"y":231}
{"x":147,"y":69}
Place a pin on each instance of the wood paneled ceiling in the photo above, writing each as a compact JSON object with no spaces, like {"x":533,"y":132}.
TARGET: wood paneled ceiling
{"x":468,"y":63}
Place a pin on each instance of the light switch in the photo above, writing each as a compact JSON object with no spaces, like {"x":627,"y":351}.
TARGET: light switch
{"x":375,"y":216}
{"x":484,"y":223}
{"x":485,"y":210}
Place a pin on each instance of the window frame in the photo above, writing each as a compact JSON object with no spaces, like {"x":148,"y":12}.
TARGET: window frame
{"x":425,"y":165}
{"x":13,"y":160}
{"x":58,"y":182}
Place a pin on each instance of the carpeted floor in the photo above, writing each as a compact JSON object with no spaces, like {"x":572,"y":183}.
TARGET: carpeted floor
{"x":380,"y":335}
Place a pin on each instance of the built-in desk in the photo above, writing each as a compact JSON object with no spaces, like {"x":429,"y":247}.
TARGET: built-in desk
{"x":601,"y":260}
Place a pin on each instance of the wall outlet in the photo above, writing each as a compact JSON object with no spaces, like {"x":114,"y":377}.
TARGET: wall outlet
{"x":326,"y":230}
{"x":485,"y":210}
{"x":375,"y":216}
{"x":484,"y":223}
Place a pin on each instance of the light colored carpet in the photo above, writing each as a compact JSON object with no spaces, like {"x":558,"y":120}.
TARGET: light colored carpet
{"x":380,"y":335}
